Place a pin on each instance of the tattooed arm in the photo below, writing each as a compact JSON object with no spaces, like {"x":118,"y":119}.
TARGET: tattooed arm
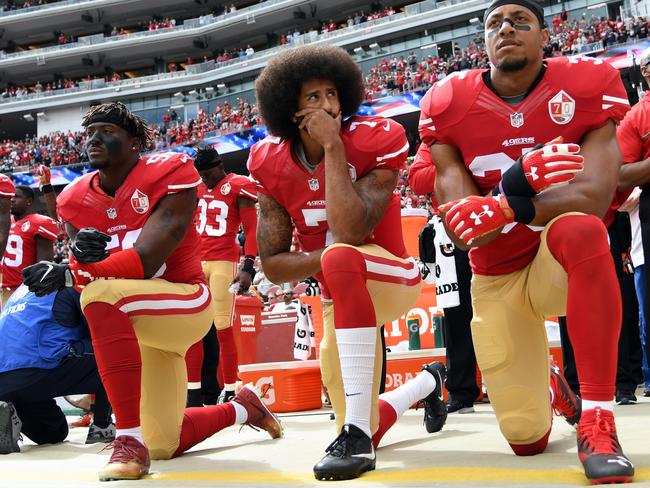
{"x":354,"y":209}
{"x":274,"y":232}
{"x":165,"y":229}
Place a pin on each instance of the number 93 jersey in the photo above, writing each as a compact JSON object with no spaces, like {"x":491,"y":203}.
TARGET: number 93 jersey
{"x":122,"y":217}
{"x":575,"y":96}
{"x":217,"y":217}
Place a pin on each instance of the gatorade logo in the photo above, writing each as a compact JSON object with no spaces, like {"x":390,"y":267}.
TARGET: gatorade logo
{"x":395,"y":380}
{"x":262,"y":384}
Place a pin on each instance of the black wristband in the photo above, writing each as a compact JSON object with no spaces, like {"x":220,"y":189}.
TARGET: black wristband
{"x":514,"y":182}
{"x":47,"y":188}
{"x":523,"y":208}
{"x":248,"y":265}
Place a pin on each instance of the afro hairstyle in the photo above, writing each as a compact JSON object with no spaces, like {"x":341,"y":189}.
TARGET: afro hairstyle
{"x":278,"y":86}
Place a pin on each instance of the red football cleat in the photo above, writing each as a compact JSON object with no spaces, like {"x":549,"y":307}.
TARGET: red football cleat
{"x":129,"y":461}
{"x":259,"y":416}
{"x":565,"y":402}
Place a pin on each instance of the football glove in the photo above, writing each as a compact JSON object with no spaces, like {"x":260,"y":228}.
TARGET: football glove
{"x":546,"y":165}
{"x":89,"y":245}
{"x":45,"y":277}
{"x":45,"y":175}
{"x":474,"y":216}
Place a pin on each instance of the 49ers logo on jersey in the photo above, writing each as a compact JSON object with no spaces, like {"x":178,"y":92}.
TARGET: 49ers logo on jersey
{"x":225,"y":189}
{"x":25,"y":226}
{"x":139,"y":202}
{"x":561,"y":108}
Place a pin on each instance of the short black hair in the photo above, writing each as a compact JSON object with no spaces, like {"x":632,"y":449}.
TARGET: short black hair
{"x":27,"y":191}
{"x":207,"y":157}
{"x":278,"y":85}
{"x":117,"y":113}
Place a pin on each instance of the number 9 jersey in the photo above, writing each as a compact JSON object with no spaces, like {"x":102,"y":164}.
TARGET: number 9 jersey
{"x":122,"y":217}
{"x":218,"y":219}
{"x":575,"y":96}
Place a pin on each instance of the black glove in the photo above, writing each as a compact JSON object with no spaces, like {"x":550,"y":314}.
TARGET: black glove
{"x":89,"y":245}
{"x":45,"y":277}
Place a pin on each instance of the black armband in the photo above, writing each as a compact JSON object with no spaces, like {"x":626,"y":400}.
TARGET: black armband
{"x":248,"y":265}
{"x":523,"y":208}
{"x":47,"y":188}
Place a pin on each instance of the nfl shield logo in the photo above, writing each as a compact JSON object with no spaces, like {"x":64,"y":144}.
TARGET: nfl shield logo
{"x":313,"y":184}
{"x":139,"y":202}
{"x":517,"y":119}
{"x":112,"y":213}
{"x":561,"y":108}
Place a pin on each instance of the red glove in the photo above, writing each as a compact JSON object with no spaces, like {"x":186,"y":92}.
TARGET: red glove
{"x":475,"y":216}
{"x":552,"y":164}
{"x":45,"y":174}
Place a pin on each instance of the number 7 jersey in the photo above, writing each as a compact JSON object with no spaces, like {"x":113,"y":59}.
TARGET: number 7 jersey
{"x":575,"y":96}
{"x":217,"y":217}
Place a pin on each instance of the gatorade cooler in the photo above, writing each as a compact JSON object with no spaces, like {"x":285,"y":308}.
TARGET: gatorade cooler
{"x":246,"y":327}
{"x":290,"y":386}
{"x":413,"y":219}
{"x":276,"y":338}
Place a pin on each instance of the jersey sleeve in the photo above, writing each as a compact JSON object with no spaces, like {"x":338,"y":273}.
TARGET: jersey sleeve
{"x":629,"y":138}
{"x":392,"y":145}
{"x":432,"y":106}
{"x":615,"y":103}
{"x":46,"y":228}
{"x":7,"y":188}
{"x":255,"y":169}
{"x":177,"y":171}
{"x":246,"y":188}
{"x":422,"y":173}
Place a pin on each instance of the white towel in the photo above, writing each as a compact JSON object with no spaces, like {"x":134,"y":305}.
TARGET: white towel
{"x":444,"y":271}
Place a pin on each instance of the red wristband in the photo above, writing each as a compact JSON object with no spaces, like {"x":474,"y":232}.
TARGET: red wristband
{"x":125,"y":264}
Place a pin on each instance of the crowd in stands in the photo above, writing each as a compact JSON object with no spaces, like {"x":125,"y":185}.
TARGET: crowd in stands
{"x":17,"y":4}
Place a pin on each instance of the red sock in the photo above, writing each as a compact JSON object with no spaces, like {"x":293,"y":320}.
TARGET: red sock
{"x":345,"y":272}
{"x":118,"y":360}
{"x":194,"y":361}
{"x":533,"y":448}
{"x":227,"y":355}
{"x":199,"y":423}
{"x":579,"y":243}
{"x":387,"y":418}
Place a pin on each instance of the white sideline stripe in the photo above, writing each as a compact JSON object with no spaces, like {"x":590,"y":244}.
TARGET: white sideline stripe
{"x":248,"y":194}
{"x":425,"y":121}
{"x":389,"y":270}
{"x":45,"y":231}
{"x":167,"y":304}
{"x":187,"y":185}
{"x":392,"y":155}
{"x":608,"y":98}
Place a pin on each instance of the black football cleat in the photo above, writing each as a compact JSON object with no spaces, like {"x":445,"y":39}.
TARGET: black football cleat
{"x":599,"y":451}
{"x":348,"y":457}
{"x":10,"y":426}
{"x":435,"y":410}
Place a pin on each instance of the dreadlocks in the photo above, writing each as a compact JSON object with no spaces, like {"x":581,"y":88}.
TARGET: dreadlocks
{"x":278,"y":86}
{"x":117,"y":113}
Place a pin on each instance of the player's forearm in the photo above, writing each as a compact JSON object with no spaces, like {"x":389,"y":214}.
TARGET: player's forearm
{"x":634,"y":174}
{"x":50,"y":204}
{"x":346,"y":211}
{"x":291,"y":266}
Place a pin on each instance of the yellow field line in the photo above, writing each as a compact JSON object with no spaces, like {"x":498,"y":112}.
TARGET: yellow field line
{"x":447,"y":474}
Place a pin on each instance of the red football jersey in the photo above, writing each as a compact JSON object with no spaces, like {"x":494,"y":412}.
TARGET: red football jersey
{"x":575,"y":96}
{"x":370,"y":143}
{"x":84,"y":204}
{"x":21,"y":246}
{"x":217,"y":217}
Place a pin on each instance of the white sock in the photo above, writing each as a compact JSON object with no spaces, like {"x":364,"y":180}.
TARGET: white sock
{"x":194,"y":385}
{"x":135,"y":432}
{"x":591,"y":404}
{"x":357,"y":356}
{"x":241,"y":415}
{"x":403,"y":397}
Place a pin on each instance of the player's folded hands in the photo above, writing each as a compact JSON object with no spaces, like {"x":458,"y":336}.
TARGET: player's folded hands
{"x":474,"y":216}
{"x":45,"y":277}
{"x":89,"y":245}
